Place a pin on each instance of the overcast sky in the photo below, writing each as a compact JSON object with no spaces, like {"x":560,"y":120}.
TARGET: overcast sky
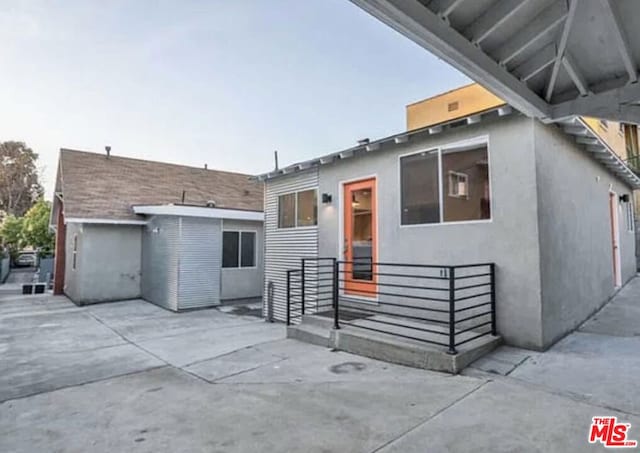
{"x":193,"y":82}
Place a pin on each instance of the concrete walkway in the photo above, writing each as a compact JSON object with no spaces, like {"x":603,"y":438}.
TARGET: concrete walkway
{"x":130,"y":376}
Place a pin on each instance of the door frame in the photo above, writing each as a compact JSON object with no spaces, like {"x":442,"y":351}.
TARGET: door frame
{"x":376,"y":228}
{"x":614,"y":221}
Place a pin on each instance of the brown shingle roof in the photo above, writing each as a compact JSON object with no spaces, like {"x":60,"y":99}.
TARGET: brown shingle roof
{"x":94,"y":186}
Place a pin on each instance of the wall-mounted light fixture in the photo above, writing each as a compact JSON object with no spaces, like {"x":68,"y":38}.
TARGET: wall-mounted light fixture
{"x":624,"y":198}
{"x":326,"y":198}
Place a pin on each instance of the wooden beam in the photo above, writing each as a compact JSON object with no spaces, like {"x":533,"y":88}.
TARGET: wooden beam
{"x":562,"y":46}
{"x":575,"y":74}
{"x":412,"y":19}
{"x":616,"y":105}
{"x":621,"y":40}
{"x":492,"y":19}
{"x":539,"y":26}
{"x":534,"y":65}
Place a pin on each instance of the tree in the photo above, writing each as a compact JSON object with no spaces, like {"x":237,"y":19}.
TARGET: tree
{"x":11,"y":234}
{"x":35,"y":228}
{"x":19,"y":186}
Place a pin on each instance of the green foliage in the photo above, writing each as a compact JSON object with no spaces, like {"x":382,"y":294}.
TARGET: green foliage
{"x":35,"y":228}
{"x":19,"y":186}
{"x":11,"y":234}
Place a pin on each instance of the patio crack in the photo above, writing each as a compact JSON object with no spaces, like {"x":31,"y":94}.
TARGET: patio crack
{"x":135,"y":345}
{"x":431,"y":417}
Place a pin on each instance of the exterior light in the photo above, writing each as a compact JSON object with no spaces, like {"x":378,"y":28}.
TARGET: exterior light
{"x":326,"y":198}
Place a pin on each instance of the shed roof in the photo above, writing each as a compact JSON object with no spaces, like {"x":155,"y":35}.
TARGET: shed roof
{"x":94,"y":186}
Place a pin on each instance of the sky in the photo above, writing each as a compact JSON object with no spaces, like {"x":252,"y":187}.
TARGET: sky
{"x":218,"y":82}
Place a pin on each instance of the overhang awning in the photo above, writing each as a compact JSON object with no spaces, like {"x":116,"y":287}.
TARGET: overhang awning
{"x":550,"y":59}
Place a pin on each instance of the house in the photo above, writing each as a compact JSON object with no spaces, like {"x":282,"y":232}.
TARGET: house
{"x":177,"y":236}
{"x":521,"y":228}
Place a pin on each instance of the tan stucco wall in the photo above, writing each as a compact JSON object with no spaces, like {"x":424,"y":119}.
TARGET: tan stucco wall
{"x":470,"y":98}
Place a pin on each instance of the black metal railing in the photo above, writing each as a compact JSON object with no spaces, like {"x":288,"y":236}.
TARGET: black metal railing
{"x":446,"y":306}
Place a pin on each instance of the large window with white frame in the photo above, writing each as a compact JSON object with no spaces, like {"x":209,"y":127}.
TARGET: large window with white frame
{"x":298,"y":209}
{"x":443,"y":185}
{"x":238,"y":249}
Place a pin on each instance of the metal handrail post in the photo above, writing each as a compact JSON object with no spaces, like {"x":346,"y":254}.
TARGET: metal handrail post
{"x":452,"y":310}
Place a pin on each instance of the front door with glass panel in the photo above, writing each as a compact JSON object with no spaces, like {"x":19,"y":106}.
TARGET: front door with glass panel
{"x":360,"y":248}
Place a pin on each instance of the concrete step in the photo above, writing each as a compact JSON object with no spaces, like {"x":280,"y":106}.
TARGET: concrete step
{"x":325,"y":322}
{"x":310,"y":333}
{"x":417,"y":354}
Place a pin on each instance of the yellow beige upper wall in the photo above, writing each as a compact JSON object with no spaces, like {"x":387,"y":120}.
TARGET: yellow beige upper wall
{"x":471,"y":99}
{"x":610,"y":132}
{"x":451,"y":105}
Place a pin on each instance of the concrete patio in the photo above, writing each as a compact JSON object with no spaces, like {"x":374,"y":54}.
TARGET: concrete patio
{"x":129,"y":376}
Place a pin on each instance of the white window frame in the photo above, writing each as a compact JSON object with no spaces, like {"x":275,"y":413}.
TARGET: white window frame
{"x":255,"y":249}
{"x":471,"y":142}
{"x":460,"y":177}
{"x":295,"y":211}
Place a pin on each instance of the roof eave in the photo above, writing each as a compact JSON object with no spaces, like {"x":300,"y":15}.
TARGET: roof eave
{"x":396,"y":139}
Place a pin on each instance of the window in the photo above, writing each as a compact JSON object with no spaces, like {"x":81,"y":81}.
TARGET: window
{"x":307,"y":208}
{"x":458,"y":185}
{"x":238,"y":249}
{"x":75,"y":251}
{"x":298,"y":209}
{"x":287,"y":211}
{"x":460,"y":173}
{"x":630,"y":219}
{"x":247,"y":249}
{"x":420,"y":188}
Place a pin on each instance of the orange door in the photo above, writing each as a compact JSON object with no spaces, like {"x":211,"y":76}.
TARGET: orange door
{"x":360,"y":243}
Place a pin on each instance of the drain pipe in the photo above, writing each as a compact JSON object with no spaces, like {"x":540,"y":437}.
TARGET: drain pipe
{"x":270,"y":302}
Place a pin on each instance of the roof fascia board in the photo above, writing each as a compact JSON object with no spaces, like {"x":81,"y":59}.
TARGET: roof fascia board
{"x":195,"y":211}
{"x":103,"y":221}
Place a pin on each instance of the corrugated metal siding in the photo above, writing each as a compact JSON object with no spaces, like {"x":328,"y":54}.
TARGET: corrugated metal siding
{"x":159,"y":282}
{"x":200,"y":262}
{"x":285,"y":247}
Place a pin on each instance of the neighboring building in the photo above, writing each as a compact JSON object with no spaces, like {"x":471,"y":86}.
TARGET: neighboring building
{"x":471,"y":181}
{"x":177,"y":236}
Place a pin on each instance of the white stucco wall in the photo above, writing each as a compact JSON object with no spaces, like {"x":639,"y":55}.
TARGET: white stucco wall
{"x":575,"y":232}
{"x":510,"y":239}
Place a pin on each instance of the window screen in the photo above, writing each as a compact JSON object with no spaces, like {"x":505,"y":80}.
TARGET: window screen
{"x":248,"y":249}
{"x":287,"y":210}
{"x":420,"y":188}
{"x":230,"y":248}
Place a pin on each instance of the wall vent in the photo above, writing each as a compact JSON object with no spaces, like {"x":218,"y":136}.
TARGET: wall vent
{"x":453,"y":106}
